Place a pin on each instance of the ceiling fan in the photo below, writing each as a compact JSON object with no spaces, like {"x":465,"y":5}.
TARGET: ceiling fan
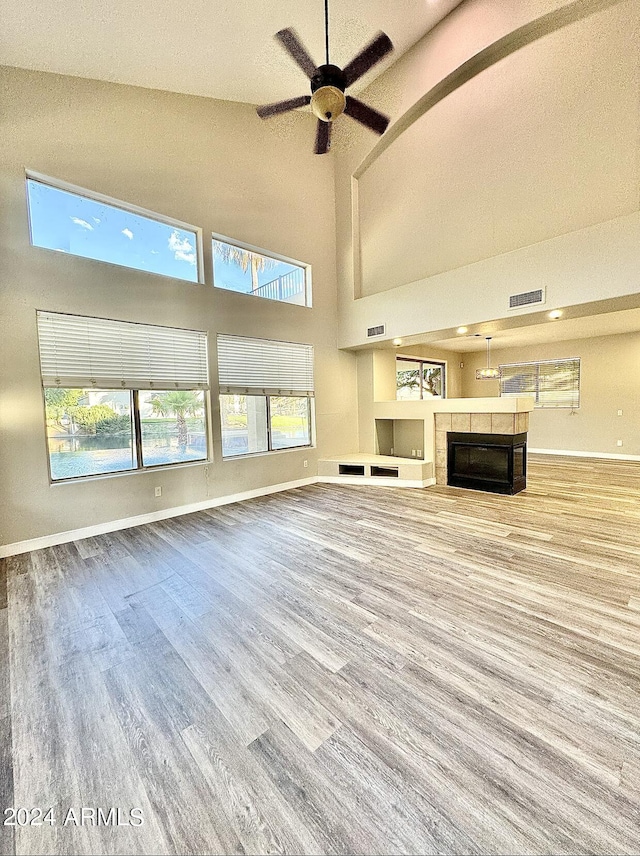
{"x":328,"y":85}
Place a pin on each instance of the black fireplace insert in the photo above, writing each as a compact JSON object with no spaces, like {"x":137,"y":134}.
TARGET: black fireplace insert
{"x":491,"y":462}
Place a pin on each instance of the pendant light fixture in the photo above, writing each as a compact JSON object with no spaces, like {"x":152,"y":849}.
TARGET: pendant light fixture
{"x":488,"y":373}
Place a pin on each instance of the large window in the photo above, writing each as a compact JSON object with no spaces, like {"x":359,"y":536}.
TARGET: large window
{"x":265,"y":395}
{"x":85,"y":224}
{"x":238,"y":267}
{"x":121,"y":396}
{"x":552,"y":383}
{"x":417,"y":379}
{"x":252,"y":423}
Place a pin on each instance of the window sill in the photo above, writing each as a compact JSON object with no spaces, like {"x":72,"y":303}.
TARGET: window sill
{"x":159,"y":468}
{"x":227,"y":458}
{"x":304,"y":305}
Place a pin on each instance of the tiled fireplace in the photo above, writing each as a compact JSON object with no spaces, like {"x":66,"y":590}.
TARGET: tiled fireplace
{"x":472,"y":423}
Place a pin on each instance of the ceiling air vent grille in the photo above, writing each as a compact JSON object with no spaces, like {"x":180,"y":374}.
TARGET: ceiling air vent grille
{"x":376,"y":331}
{"x":527,"y":298}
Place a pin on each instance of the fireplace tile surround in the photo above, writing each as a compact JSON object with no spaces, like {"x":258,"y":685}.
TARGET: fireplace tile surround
{"x":472,"y":423}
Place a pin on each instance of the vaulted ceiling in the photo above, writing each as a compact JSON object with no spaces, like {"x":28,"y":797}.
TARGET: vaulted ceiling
{"x":218,"y":48}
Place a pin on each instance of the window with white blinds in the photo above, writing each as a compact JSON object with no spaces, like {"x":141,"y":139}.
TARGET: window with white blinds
{"x":78,"y":351}
{"x":552,"y":383}
{"x":264,"y":367}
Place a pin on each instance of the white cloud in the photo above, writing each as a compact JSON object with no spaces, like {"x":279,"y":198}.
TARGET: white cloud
{"x":182,"y":248}
{"x":82,"y":223}
{"x":154,"y":252}
{"x":186,"y":257}
{"x":128,"y":233}
{"x":96,"y":219}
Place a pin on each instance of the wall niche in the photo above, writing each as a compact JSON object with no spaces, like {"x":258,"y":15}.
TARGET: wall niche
{"x":400,"y":438}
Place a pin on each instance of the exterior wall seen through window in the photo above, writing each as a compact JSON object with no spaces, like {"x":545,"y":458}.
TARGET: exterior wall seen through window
{"x":264,"y":423}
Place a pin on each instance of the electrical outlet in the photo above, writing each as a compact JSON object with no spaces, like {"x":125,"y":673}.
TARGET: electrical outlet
{"x":419,"y":451}
{"x":158,"y":491}
{"x":413,"y":453}
{"x":619,"y":412}
{"x":391,"y":451}
{"x":619,"y":442}
{"x":305,"y":463}
{"x":461,"y":365}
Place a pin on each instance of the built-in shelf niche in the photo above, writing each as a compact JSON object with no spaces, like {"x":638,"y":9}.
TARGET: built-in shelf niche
{"x":351,"y":469}
{"x":399,"y":438}
{"x":384,"y":472}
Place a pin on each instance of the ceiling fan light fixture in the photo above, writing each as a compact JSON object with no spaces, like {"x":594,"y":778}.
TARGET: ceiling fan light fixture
{"x":328,"y":85}
{"x":328,"y":102}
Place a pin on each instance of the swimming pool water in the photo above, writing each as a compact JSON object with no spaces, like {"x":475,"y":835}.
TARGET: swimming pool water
{"x":73,"y":464}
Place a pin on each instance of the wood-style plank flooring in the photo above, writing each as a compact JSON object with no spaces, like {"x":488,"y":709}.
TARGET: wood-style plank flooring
{"x":336,"y":669}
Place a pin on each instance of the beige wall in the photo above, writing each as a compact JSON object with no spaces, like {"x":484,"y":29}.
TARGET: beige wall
{"x":525,"y":176}
{"x":377,"y":382}
{"x":609,"y":381}
{"x":209,"y":163}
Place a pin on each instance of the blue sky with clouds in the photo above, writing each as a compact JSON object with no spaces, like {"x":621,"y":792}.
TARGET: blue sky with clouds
{"x":80,"y":226}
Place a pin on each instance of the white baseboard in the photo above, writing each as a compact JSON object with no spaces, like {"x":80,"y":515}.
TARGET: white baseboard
{"x":607,"y":456}
{"x":140,"y":519}
{"x":378,"y":481}
{"x":164,"y":514}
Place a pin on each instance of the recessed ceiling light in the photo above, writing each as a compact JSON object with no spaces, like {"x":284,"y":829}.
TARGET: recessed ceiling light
{"x":555,"y":314}
{"x":461,"y":331}
{"x":397,"y":342}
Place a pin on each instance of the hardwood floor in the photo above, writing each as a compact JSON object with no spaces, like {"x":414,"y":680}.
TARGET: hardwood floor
{"x":336,"y":669}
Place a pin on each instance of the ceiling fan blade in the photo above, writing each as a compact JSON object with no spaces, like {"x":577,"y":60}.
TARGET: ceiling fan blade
{"x":323,"y":137}
{"x":292,"y":44}
{"x":367,"y":58}
{"x":366,"y":115}
{"x":268,"y":110}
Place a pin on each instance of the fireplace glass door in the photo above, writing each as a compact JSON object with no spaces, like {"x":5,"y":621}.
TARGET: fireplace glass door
{"x":484,"y":462}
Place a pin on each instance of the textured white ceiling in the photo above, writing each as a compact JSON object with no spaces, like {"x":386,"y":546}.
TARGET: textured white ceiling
{"x":217,"y":48}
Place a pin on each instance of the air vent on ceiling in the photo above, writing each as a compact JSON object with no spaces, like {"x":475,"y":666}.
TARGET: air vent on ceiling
{"x":527,"y":298}
{"x":376,"y":331}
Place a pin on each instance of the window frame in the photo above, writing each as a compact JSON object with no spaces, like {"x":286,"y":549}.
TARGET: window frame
{"x":59,"y":184}
{"x":423,"y":361}
{"x":270,"y":450}
{"x":536,"y":395}
{"x":250,"y":248}
{"x":136,"y":432}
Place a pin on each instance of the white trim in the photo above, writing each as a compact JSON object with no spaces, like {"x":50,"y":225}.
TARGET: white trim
{"x":165,"y":513}
{"x":382,"y":481}
{"x":607,"y":456}
{"x":141,"y":519}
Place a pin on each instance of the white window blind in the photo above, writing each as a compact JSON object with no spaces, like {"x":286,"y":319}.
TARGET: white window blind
{"x":264,"y":366}
{"x":78,"y":351}
{"x":552,"y":383}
